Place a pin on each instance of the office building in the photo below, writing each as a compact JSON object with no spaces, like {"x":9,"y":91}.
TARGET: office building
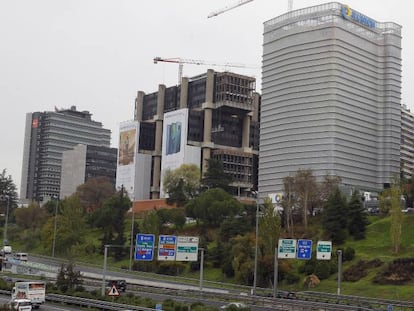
{"x":407,"y":142}
{"x":47,"y":135}
{"x":212,"y":115}
{"x":84,"y":162}
{"x":330,"y":98}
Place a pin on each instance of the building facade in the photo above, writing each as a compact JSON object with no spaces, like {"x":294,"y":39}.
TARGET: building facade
{"x":331,"y":98}
{"x":84,"y":162}
{"x":47,"y":135}
{"x":407,"y":142}
{"x":213,"y":115}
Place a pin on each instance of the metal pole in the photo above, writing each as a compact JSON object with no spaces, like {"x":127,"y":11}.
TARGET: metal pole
{"x":104,"y":270}
{"x":6,"y":221}
{"x":201,"y":270}
{"x":132,"y":240}
{"x":54,"y":230}
{"x":339,"y":271}
{"x":276,"y":275}
{"x":255,"y":249}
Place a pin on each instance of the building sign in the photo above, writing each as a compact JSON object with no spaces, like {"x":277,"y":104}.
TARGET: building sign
{"x":348,"y":13}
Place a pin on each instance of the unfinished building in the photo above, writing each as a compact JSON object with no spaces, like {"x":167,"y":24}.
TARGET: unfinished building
{"x":223,"y":121}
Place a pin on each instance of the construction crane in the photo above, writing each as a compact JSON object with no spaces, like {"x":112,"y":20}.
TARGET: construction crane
{"x":182,"y":61}
{"x":229,"y":7}
{"x":239,"y":3}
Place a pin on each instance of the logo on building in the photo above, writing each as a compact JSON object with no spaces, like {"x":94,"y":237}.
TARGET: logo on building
{"x":348,"y":13}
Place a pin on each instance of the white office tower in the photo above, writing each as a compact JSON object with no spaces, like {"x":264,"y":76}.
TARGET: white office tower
{"x":331,"y":98}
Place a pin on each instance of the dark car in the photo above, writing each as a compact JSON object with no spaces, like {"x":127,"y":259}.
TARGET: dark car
{"x":285,"y":294}
{"x":119,"y":284}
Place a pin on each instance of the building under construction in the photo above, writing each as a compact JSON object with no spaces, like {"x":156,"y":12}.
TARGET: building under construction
{"x":223,"y":123}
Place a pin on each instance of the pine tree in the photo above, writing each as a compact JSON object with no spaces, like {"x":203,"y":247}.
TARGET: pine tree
{"x":357,"y":217}
{"x":334,"y":217}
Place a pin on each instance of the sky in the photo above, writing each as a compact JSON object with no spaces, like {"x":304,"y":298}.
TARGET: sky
{"x":96,"y":54}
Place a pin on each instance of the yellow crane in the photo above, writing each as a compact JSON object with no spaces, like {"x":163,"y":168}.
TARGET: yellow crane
{"x":182,"y":61}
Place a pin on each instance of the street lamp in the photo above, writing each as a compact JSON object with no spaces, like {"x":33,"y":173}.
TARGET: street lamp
{"x":256,"y":245}
{"x":104,"y":266}
{"x":6,"y":221}
{"x":339,"y":272}
{"x":54,"y":228}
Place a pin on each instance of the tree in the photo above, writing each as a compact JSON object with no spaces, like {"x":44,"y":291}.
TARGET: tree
{"x":215,"y":176}
{"x":357,"y":217}
{"x":181,"y":184}
{"x":394,"y":193}
{"x":288,"y":203}
{"x":70,"y":227}
{"x":111,"y":220}
{"x":334,"y":217}
{"x":305,"y":188}
{"x":30,"y":221}
{"x":8,"y":194}
{"x":212,"y":206}
{"x":95,"y":192}
{"x":67,"y":278}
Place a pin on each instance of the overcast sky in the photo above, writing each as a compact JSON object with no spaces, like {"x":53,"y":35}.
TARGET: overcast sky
{"x":96,"y":54}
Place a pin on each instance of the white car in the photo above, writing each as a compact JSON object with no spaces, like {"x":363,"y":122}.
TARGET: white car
{"x":234,"y":305}
{"x":20,"y":304}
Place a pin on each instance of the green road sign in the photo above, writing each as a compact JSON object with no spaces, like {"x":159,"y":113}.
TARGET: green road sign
{"x":286,"y":248}
{"x":324,"y":250}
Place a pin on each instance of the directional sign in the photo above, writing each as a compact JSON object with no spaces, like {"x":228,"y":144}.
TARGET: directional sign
{"x":286,"y":248}
{"x":166,"y":247}
{"x":187,"y":248}
{"x":323,"y":250}
{"x":144,"y":249}
{"x":304,"y":249}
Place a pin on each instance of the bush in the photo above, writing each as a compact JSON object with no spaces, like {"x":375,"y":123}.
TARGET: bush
{"x":348,"y":254}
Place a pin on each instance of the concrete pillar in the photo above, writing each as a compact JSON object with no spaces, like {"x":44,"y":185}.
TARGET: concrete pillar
{"x":246,"y":131}
{"x":156,"y":178}
{"x":208,"y":120}
{"x":184,"y":93}
{"x":139,"y":104}
{"x":256,"y":98}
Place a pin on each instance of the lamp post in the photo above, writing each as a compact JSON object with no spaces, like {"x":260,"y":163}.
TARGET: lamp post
{"x":339,"y":272}
{"x":104,"y":266}
{"x":6,"y":221}
{"x":54,"y":228}
{"x":256,"y":246}
{"x":132,"y":240}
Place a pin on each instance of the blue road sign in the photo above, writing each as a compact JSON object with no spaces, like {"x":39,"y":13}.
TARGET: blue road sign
{"x":166,"y":247}
{"x":144,"y":249}
{"x":304,"y":249}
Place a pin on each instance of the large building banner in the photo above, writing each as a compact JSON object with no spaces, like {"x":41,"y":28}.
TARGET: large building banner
{"x":127,"y":152}
{"x":175,"y":150}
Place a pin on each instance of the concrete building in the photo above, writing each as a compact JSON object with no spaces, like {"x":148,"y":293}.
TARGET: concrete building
{"x":47,"y":135}
{"x":330,"y":98}
{"x":213,"y":115}
{"x":84,"y":162}
{"x":407,"y":142}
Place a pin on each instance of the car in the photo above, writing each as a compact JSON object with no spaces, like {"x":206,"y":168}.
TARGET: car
{"x":119,"y":284}
{"x":286,"y":295}
{"x":234,"y":305}
{"x":20,"y":304}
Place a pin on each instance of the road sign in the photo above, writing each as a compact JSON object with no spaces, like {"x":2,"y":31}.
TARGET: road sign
{"x":113,"y":291}
{"x":304,"y":249}
{"x":323,"y":250}
{"x":187,"y":248}
{"x":286,"y":248}
{"x":144,"y":249}
{"x":166,"y":247}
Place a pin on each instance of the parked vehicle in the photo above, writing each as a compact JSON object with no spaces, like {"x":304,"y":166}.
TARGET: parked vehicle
{"x":119,"y":284}
{"x":20,"y":256}
{"x":34,"y":291}
{"x":20,"y":305}
{"x":6,"y":250}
